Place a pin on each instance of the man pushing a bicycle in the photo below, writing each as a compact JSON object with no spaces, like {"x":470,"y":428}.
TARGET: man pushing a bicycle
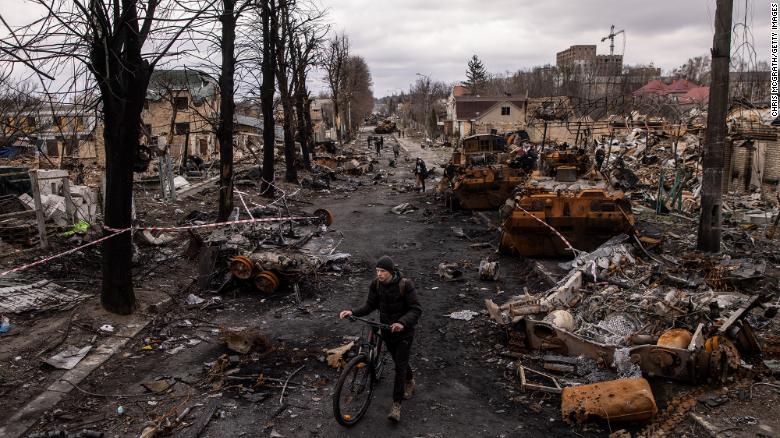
{"x":396,"y":299}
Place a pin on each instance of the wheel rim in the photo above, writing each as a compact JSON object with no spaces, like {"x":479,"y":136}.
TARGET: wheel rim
{"x":355,"y":392}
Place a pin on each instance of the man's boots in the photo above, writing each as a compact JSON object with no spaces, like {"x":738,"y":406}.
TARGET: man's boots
{"x":409,"y":389}
{"x":395,"y":413}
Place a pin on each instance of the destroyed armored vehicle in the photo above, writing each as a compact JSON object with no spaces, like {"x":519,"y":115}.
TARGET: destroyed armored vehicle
{"x":481,"y":173}
{"x":559,"y":209}
{"x":386,"y":126}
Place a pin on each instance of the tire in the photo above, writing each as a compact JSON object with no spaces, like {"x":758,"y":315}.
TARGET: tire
{"x":379,"y":366}
{"x":354,"y":374}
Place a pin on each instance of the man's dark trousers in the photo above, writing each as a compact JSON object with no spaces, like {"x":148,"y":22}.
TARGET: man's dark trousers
{"x":400,"y":346}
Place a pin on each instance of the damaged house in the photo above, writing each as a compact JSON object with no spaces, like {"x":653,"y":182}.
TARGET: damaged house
{"x":181,"y":112}
{"x":470,"y":115}
{"x":51,"y":131}
{"x":752,"y":152}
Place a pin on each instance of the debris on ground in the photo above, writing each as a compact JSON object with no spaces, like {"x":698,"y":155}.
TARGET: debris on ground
{"x":404,"y":208}
{"x":463,"y":315}
{"x":243,"y":341}
{"x":69,"y":357}
{"x":335,"y":356}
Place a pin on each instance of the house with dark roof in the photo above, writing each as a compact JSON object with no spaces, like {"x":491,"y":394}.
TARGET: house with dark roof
{"x":468,"y":115}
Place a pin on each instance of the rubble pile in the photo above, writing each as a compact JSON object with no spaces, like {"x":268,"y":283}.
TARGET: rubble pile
{"x":624,"y":311}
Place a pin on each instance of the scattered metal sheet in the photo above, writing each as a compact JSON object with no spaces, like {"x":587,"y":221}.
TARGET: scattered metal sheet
{"x":69,"y":357}
{"x":17,"y":297}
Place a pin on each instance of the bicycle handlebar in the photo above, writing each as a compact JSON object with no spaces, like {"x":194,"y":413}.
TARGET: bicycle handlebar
{"x":369,"y":322}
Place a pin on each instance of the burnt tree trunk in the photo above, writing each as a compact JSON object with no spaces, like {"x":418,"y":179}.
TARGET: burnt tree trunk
{"x":267,"y":94}
{"x":712,"y":181}
{"x":284,"y":80}
{"x":226,"y":110}
{"x":308,"y":125}
{"x":123,"y":77}
{"x":301,"y":96}
{"x":303,"y":134}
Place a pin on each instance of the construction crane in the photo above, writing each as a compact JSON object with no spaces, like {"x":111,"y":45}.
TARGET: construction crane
{"x":611,"y":37}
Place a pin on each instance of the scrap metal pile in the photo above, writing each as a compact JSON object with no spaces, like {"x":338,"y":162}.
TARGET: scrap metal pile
{"x":621,"y":314}
{"x":269,"y":258}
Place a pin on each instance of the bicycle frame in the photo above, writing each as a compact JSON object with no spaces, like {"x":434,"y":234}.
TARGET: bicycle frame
{"x":372,"y":343}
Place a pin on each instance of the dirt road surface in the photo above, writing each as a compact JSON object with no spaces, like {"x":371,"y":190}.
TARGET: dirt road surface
{"x":465,"y":387}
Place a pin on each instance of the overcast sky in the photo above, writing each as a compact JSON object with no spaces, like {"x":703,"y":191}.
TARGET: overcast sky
{"x":399,"y":38}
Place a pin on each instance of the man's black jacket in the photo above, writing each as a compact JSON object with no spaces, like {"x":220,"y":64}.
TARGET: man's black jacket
{"x":394,"y":306}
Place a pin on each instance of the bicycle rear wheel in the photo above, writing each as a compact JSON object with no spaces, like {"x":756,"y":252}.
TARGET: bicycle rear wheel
{"x":353,"y":391}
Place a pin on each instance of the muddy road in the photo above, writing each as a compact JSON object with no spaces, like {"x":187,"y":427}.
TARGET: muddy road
{"x":465,"y":386}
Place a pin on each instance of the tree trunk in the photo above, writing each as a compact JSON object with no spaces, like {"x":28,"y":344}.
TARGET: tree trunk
{"x":303,"y":132}
{"x":337,"y":118}
{"x":308,"y":125}
{"x":123,"y":77}
{"x":712,"y":181}
{"x":121,"y":144}
{"x":291,"y":172}
{"x":226,"y":110}
{"x":283,"y":78}
{"x":267,"y":95}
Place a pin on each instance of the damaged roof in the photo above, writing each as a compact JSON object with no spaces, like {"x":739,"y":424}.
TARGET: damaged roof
{"x":468,"y":107}
{"x":252,"y":122}
{"x":200,"y":85}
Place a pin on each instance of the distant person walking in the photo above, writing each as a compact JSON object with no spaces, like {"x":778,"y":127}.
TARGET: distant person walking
{"x":599,"y":157}
{"x":420,"y":172}
{"x":396,"y":149}
{"x":378,"y":144}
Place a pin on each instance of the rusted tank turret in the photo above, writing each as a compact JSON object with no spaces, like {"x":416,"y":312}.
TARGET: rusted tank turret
{"x":585,"y":211}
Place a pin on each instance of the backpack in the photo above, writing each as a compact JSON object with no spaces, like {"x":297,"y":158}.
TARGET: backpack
{"x":403,"y":283}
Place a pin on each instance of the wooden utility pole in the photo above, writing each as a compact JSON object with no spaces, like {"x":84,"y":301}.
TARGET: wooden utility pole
{"x":712,"y":181}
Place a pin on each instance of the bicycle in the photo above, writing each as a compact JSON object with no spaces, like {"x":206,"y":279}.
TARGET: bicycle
{"x":359,"y":376}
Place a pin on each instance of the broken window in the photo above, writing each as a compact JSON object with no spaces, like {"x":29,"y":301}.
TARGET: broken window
{"x":504,"y":110}
{"x":182,"y":128}
{"x":52,"y":148}
{"x":182,"y":103}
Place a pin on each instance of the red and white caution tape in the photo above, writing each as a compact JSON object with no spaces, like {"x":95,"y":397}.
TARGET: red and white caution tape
{"x":55,"y":256}
{"x":568,"y":245}
{"x":216,"y":224}
{"x":118,"y":231}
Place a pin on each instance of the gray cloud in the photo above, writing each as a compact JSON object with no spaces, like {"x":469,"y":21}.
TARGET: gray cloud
{"x":399,"y":38}
{"x":436,"y":37}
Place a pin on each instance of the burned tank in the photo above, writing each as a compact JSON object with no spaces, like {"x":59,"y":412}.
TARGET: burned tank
{"x":386,"y":126}
{"x":565,"y":197}
{"x":482,"y":174}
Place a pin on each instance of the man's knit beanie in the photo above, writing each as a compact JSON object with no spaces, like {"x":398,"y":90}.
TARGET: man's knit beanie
{"x":386,"y":263}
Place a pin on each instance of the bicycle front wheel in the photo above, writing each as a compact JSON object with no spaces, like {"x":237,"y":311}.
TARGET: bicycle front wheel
{"x":353,"y":391}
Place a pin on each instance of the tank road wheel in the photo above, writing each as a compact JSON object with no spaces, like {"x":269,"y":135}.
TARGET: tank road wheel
{"x":324,"y":216}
